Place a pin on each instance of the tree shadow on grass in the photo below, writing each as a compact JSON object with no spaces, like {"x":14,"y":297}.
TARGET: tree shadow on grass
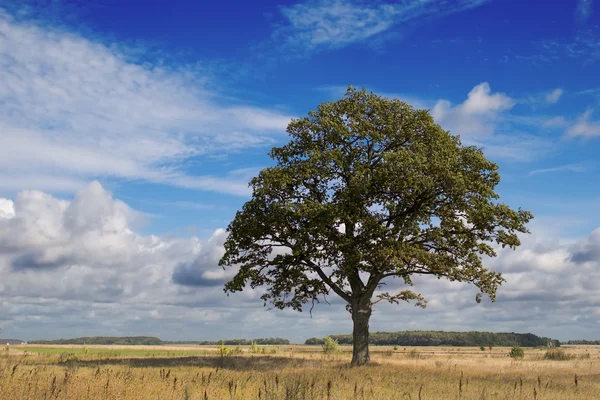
{"x":260,"y":363}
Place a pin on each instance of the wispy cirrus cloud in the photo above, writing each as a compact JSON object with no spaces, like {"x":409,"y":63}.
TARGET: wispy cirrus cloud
{"x":585,"y":126}
{"x":583,"y":11}
{"x":583,"y":47}
{"x":332,"y":24}
{"x":75,"y":108}
{"x":578,"y":167}
{"x":553,"y":96}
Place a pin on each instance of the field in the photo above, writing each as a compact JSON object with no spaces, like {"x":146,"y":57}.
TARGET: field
{"x":294,"y":372}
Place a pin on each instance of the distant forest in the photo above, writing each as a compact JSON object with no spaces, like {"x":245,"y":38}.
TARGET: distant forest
{"x":403,"y":338}
{"x":121,"y":340}
{"x":586,"y":342}
{"x":154,"y":341}
{"x":442,"y":338}
{"x":237,"y":342}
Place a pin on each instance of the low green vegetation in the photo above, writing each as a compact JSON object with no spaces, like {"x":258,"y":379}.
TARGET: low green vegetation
{"x":330,"y":346}
{"x":557,"y":355}
{"x":516,"y":352}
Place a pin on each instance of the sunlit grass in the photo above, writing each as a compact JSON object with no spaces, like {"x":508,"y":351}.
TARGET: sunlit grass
{"x":296,"y":372}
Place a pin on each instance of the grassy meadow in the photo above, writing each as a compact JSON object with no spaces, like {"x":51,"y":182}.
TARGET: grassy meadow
{"x":295,"y":372}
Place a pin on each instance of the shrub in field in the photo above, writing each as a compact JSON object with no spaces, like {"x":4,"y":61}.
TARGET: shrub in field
{"x":414,"y":354}
{"x":557,"y":355}
{"x":482,"y":348}
{"x":516,"y":352}
{"x":254,"y":349}
{"x":224,"y":350}
{"x":331,"y":346}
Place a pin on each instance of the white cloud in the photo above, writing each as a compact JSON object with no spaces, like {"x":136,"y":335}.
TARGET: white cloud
{"x":553,"y":96}
{"x":74,"y":108}
{"x":584,"y":126}
{"x":7,"y":208}
{"x":561,"y":168}
{"x":330,"y":24}
{"x":476,"y":116}
{"x":78,"y":267}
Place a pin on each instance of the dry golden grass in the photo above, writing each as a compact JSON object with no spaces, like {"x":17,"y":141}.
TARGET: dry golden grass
{"x":302,"y":372}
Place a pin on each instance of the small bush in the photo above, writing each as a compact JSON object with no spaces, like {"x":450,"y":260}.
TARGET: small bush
{"x":482,"y":348}
{"x":557,"y":355}
{"x":331,"y":346}
{"x":414,"y":354}
{"x":395,"y":348}
{"x":516,"y":352}
{"x":254,"y":349}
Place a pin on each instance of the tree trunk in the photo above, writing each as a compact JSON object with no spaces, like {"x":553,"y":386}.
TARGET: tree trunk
{"x":361,"y":313}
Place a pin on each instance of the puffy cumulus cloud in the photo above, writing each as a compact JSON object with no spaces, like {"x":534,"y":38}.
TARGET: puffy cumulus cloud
{"x":78,"y":267}
{"x":477,"y":115}
{"x":48,"y":232}
{"x":7,"y":208}
{"x":85,"y":251}
{"x":73,"y":108}
{"x":201,"y":271}
{"x":483,"y":119}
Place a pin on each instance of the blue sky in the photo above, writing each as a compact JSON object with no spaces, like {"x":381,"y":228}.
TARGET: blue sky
{"x":129,"y":131}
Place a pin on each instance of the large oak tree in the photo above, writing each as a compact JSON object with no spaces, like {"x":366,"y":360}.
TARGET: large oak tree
{"x":368,"y":189}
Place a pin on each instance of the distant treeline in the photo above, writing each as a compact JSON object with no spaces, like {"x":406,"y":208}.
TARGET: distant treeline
{"x":10,"y":341}
{"x":237,"y":342}
{"x":442,"y":338}
{"x":116,"y":340}
{"x":586,"y":342}
{"x":154,"y":341}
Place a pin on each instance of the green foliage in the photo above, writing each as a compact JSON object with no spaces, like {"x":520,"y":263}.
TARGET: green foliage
{"x":224,"y":350}
{"x":557,"y":355}
{"x":365,"y":170}
{"x":516,"y":352}
{"x":443,"y":338}
{"x":395,"y":348}
{"x":254,"y":349}
{"x":330,"y":346}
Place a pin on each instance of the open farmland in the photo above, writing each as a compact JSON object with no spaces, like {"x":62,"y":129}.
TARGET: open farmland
{"x":294,"y":372}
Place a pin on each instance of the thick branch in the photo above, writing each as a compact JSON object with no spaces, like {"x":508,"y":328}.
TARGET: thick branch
{"x":327,"y":280}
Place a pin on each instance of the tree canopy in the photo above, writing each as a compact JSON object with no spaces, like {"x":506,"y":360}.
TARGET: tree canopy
{"x":369,"y":188}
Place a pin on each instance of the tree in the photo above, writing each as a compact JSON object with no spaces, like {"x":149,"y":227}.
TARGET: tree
{"x":368,"y":189}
